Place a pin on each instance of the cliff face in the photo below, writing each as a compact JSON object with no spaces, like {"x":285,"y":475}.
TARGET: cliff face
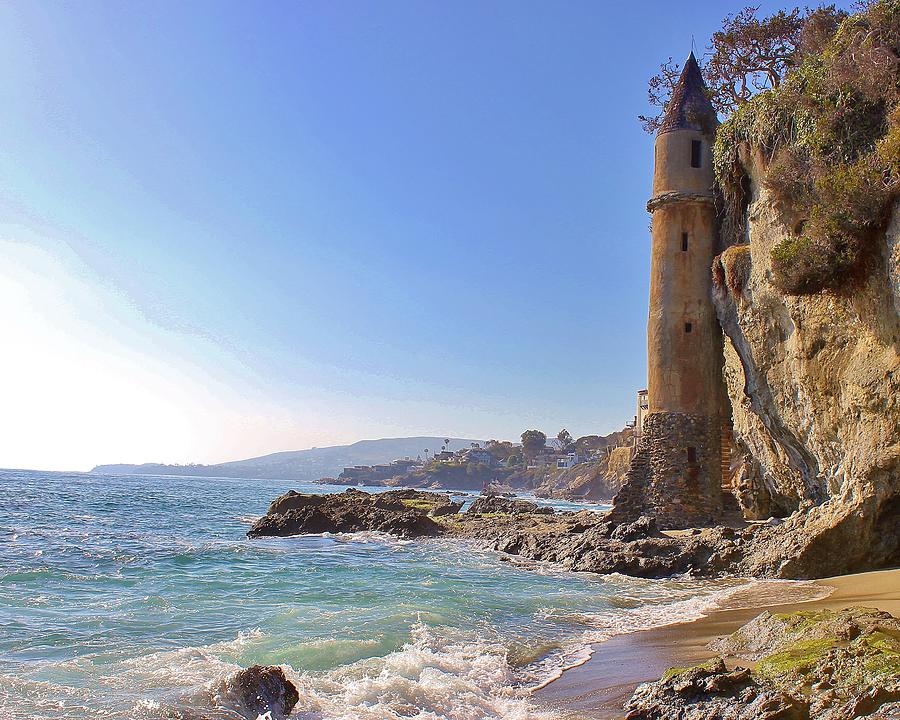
{"x":598,"y":481}
{"x":814,"y":383}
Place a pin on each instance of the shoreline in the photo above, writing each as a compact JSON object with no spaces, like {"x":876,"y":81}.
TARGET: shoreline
{"x":598,"y":688}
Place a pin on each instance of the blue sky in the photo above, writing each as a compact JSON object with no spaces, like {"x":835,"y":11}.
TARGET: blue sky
{"x":231,"y":228}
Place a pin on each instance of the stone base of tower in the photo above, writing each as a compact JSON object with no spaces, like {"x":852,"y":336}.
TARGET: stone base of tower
{"x":676,"y":473}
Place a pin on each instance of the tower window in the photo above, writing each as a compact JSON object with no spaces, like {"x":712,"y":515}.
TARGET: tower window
{"x":692,"y":455}
{"x":684,"y":242}
{"x":695,"y":153}
{"x":688,"y":327}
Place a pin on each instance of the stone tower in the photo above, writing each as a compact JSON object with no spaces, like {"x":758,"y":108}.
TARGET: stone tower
{"x":676,"y":473}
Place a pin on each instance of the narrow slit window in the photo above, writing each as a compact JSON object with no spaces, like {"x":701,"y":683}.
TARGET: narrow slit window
{"x":695,"y":153}
{"x":684,"y":242}
{"x":688,"y":327}
{"x":692,"y":454}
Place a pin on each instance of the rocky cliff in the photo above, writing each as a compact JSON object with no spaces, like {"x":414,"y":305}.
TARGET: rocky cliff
{"x":814,"y":383}
{"x":599,"y":481}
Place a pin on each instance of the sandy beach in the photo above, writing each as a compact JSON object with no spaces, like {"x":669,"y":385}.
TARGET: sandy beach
{"x":597,"y":689}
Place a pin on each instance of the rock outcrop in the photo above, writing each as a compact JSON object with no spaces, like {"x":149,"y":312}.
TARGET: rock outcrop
{"x":823,"y":665}
{"x":585,"y":542}
{"x":712,"y":691}
{"x":582,"y":541}
{"x":496,"y":504}
{"x":406,"y":513}
{"x":259,"y":691}
{"x":256,"y":692}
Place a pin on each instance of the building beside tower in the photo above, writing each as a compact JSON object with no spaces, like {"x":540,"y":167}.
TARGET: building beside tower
{"x":676,"y":472}
{"x":642,"y":408}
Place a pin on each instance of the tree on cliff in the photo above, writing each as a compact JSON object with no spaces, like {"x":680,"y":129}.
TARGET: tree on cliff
{"x":533,"y":441}
{"x":566,"y":441}
{"x":747,"y":55}
{"x":500,"y":449}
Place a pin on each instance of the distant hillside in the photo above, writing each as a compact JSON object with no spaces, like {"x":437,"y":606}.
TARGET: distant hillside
{"x":309,"y":464}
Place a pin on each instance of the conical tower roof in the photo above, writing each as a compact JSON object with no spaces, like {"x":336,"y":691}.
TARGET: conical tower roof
{"x":689,"y":107}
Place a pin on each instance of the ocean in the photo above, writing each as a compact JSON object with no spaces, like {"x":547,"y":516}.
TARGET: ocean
{"x":120,"y":596}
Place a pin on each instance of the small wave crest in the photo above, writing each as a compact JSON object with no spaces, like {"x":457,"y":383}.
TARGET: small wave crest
{"x":630,"y":615}
{"x":432,"y":677}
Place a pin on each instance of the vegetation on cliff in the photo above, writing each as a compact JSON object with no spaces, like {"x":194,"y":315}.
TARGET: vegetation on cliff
{"x":817,"y":92}
{"x":830,"y":132}
{"x":749,"y":54}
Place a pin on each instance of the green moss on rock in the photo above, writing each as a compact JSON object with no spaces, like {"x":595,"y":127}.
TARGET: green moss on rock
{"x":883,"y":657}
{"x":709,"y":665}
{"x":798,"y":659}
{"x":422,"y":504}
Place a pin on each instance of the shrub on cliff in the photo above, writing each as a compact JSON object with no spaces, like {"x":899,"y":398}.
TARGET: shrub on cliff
{"x":831,"y":135}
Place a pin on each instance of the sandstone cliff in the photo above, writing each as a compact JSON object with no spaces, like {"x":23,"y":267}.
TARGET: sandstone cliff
{"x":599,"y":480}
{"x":814,"y":383}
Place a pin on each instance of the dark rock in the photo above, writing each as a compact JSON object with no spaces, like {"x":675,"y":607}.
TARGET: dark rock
{"x":398,"y":512}
{"x":643,"y":527}
{"x":258,"y":691}
{"x":711,"y":691}
{"x":451,"y":508}
{"x":293,"y":500}
{"x":583,"y":541}
{"x":496,"y":505}
{"x":584,"y":545}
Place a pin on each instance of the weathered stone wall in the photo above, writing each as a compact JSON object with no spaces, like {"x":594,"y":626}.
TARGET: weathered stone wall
{"x":684,"y":366}
{"x":684,"y":340}
{"x":664,"y":482}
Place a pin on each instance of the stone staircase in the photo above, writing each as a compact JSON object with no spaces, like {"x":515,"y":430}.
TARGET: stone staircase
{"x":730,"y":505}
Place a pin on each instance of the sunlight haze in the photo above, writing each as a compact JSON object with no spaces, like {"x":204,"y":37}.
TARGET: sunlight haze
{"x":228,"y":232}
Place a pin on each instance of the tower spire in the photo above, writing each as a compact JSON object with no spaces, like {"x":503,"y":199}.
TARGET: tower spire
{"x":689,"y":107}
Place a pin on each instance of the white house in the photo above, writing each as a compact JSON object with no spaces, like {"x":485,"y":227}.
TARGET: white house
{"x":570,"y":460}
{"x":478,"y":455}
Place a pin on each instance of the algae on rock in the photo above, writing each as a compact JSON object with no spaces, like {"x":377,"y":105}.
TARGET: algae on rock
{"x":820,"y":665}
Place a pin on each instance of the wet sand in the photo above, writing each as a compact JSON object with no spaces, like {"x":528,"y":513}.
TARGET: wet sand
{"x":598,"y":689}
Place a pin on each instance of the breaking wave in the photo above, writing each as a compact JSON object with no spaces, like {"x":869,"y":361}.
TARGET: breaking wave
{"x":446,"y":673}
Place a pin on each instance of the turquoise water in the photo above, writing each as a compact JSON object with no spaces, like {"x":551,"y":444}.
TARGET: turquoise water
{"x":122,"y":595}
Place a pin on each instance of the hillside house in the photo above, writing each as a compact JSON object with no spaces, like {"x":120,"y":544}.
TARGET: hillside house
{"x":477,"y":455}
